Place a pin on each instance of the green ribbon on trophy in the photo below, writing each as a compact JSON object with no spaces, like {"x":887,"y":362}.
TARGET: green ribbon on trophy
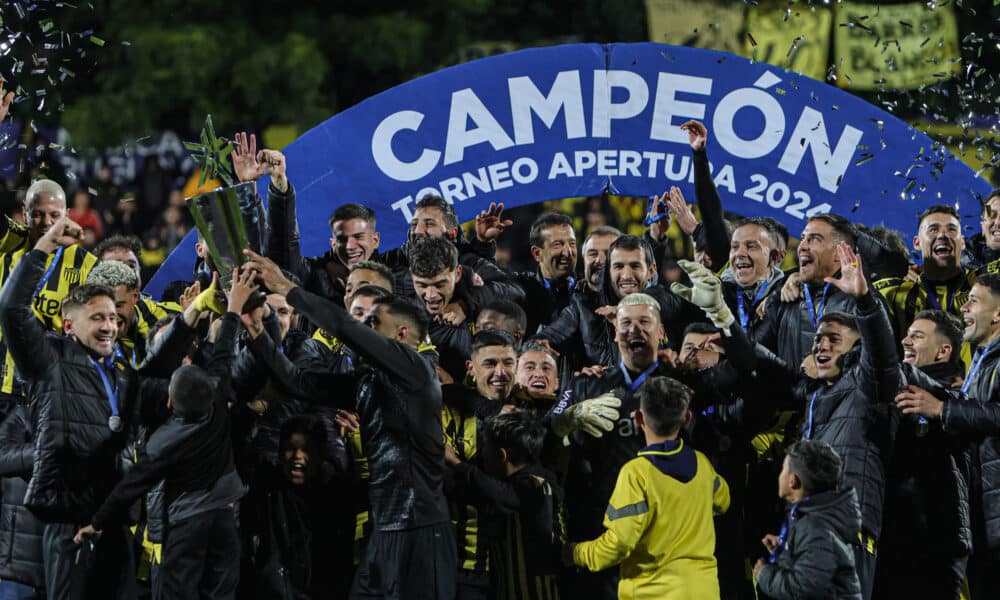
{"x":230,"y":218}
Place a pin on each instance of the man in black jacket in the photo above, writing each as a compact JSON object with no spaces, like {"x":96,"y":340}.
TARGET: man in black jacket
{"x":79,"y":402}
{"x":982,"y":251}
{"x":548,"y":289}
{"x":925,"y":536}
{"x":976,"y":415}
{"x":22,"y":568}
{"x":411,"y":553}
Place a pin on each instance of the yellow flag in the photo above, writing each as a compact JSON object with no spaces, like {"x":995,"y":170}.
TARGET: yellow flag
{"x":894,"y":46}
{"x":699,"y":23}
{"x":797,"y":39}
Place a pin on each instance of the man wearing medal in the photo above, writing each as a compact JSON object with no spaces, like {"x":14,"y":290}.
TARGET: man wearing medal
{"x":78,"y":400}
{"x":602,"y":407}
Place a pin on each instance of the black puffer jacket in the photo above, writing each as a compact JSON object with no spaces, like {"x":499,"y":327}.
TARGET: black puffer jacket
{"x":787,"y":329}
{"x":853,"y":414}
{"x":927,"y":495}
{"x":816,"y":560}
{"x":76,"y":456}
{"x":978,"y":415}
{"x":977,"y":255}
{"x":544,"y":300}
{"x":20,"y":532}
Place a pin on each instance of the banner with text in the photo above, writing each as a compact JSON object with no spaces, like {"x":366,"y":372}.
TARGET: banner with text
{"x":577,"y":120}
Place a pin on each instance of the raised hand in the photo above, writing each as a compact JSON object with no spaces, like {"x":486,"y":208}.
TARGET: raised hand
{"x":659,"y":216}
{"x":269,"y":273}
{"x":681,"y":210}
{"x":5,"y":101}
{"x":852,"y":276}
{"x":243,"y":287}
{"x":490,"y":223}
{"x":697,"y":134}
{"x":274,"y":165}
{"x":245,"y":158}
{"x":64,"y":232}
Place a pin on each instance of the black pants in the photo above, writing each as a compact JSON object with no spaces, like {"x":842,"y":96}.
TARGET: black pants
{"x":100,"y":570}
{"x":864,"y":564}
{"x":408,"y":565}
{"x":913,"y":572}
{"x":581,"y":583}
{"x":201,"y":558}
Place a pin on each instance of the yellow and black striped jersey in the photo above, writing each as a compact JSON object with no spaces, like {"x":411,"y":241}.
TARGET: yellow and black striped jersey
{"x":147,"y":312}
{"x":64,"y":270}
{"x":461,"y":432}
{"x":907,"y":298}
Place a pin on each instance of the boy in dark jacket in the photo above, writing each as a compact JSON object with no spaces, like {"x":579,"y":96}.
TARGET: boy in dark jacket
{"x":812,"y":556}
{"x":525,"y":557}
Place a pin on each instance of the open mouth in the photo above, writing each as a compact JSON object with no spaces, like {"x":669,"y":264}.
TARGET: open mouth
{"x":743,"y":266}
{"x":628,"y":286}
{"x":537,"y":385}
{"x":354,"y":255}
{"x":942,"y":249}
{"x":909,"y":355}
{"x":298,"y":467}
{"x":805,"y":260}
{"x":564,"y":263}
{"x":637,"y":345}
{"x":822,"y":360}
{"x":433,"y":306}
{"x":499,"y":384}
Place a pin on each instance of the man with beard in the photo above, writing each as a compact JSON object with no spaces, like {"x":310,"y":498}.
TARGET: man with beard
{"x":613,"y":437}
{"x":492,"y":365}
{"x":595,"y":254}
{"x":583,"y":329}
{"x":942,"y":284}
{"x":975,"y":415}
{"x":548,"y":289}
{"x":79,"y":402}
{"x":439,"y":281}
{"x":925,"y":536}
{"x":66,"y":268}
{"x":982,"y":251}
{"x":788,"y":328}
{"x":411,"y":552}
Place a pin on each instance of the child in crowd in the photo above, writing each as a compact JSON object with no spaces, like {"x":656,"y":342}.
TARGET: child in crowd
{"x":812,"y":557}
{"x":659,"y":522}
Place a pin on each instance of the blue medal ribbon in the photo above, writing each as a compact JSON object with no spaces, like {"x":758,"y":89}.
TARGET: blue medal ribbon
{"x":933,"y":299}
{"x":813,"y":315}
{"x":783,"y":534}
{"x":112,"y":392}
{"x":807,"y":427}
{"x":980,"y":355}
{"x":548,"y":284}
{"x":740,"y":304}
{"x":634,"y":385}
{"x":51,"y":269}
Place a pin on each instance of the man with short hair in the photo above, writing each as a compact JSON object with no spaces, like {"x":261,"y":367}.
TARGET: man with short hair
{"x":982,"y":251}
{"x":548,"y":288}
{"x":505,"y":315}
{"x":66,"y":268}
{"x":79,"y":412}
{"x":363,"y":299}
{"x":942,"y":283}
{"x":439,"y":281}
{"x":123,"y":248}
{"x":362,"y":274}
{"x":411,"y":552}
{"x":925,"y":538}
{"x":537,"y":370}
{"x":975,"y":415}
{"x":595,"y":254}
{"x":754,"y":270}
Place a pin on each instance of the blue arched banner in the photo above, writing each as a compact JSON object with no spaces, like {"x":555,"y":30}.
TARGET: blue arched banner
{"x":580,"y":119}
